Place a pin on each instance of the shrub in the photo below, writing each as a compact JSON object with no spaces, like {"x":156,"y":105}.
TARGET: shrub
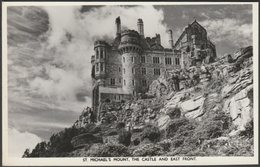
{"x":165,"y":144}
{"x":108,"y":150}
{"x":249,"y":130}
{"x":174,"y":126}
{"x":148,"y":150}
{"x":212,"y":127}
{"x":208,"y":130}
{"x":151,"y":132}
{"x":120,"y":125}
{"x":136,"y":141}
{"x":174,"y":113}
{"x":40,"y":150}
{"x":61,"y":142}
{"x":26,"y":153}
{"x":124,"y":137}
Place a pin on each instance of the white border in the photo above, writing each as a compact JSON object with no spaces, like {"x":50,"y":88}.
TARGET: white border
{"x":79,"y":161}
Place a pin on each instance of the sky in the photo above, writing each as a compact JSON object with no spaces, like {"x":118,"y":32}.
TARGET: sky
{"x":49,"y":51}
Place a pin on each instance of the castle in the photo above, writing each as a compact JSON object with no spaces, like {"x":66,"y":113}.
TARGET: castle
{"x":127,"y":66}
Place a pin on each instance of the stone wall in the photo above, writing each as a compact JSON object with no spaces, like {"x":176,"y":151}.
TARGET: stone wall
{"x":114,"y":97}
{"x":150,"y":66}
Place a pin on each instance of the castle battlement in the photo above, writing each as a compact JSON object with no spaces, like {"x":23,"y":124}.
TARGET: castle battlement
{"x":100,"y":42}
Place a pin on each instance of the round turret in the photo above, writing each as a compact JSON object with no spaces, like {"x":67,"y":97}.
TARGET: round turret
{"x":130,"y":42}
{"x":130,"y":50}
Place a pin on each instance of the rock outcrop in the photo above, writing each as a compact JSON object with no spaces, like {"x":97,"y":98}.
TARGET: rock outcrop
{"x":211,"y":107}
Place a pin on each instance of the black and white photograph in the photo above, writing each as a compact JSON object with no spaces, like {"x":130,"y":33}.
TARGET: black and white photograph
{"x":130,"y":82}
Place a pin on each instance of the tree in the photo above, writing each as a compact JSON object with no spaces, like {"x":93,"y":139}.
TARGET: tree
{"x":40,"y":150}
{"x":26,"y":153}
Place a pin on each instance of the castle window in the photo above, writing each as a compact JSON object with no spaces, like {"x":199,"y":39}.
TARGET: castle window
{"x":124,"y":82}
{"x":112,"y":81}
{"x":168,"y":60}
{"x":142,"y":59}
{"x":97,"y":67}
{"x":132,"y":59}
{"x":101,"y":54}
{"x":124,"y":70}
{"x":119,"y":69}
{"x":101,"y":66}
{"x":133,"y":70}
{"x":123,"y":59}
{"x":177,"y":61}
{"x":144,"y":82}
{"x":97,"y":54}
{"x":157,"y":71}
{"x":119,"y":80}
{"x":156,"y":60}
{"x":133,"y":82}
{"x":143,"y":71}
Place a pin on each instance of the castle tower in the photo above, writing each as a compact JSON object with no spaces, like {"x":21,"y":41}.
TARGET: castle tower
{"x":118,"y":26}
{"x":99,"y":61}
{"x":130,"y":51}
{"x":170,"y":39}
{"x":140,"y":27}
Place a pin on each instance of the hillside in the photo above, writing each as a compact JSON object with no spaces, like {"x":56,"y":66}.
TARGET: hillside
{"x":210,"y":115}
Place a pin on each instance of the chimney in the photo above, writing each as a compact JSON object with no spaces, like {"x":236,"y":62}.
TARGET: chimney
{"x":170,"y":39}
{"x":158,"y":39}
{"x":118,"y":26}
{"x":140,"y":27}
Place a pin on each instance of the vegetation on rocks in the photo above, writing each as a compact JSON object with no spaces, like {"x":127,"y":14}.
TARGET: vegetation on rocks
{"x":151,"y":132}
{"x":212,"y":117}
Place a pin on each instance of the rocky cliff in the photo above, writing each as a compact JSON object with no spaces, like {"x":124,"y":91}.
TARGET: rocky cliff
{"x":209,"y":114}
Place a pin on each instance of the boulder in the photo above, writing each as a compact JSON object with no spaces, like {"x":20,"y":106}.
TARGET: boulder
{"x":239,"y":108}
{"x":193,"y":108}
{"x":163,"y":121}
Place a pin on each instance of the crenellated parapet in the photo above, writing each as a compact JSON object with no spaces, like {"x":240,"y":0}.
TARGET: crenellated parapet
{"x":130,"y":42}
{"x":100,"y":43}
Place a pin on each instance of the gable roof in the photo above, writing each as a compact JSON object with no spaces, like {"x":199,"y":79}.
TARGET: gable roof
{"x":189,"y":25}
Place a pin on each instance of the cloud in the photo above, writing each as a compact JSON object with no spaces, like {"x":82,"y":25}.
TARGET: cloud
{"x":70,"y":40}
{"x":19,"y":141}
{"x":229,"y":30}
{"x":60,"y":83}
